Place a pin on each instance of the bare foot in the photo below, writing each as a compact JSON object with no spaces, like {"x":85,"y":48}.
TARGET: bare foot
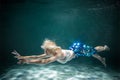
{"x":106,"y":48}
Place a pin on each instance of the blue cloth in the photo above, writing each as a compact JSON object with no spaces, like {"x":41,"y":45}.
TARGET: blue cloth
{"x":81,"y":49}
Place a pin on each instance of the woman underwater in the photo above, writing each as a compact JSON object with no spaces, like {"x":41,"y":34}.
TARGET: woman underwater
{"x":52,"y":53}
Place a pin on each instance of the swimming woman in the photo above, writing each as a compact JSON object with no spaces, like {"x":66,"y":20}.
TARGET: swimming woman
{"x":52,"y":53}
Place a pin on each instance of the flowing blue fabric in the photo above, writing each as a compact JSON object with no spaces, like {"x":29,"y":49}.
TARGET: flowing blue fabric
{"x":81,"y":49}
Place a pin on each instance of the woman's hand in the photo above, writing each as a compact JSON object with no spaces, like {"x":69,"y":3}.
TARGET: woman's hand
{"x":21,"y":59}
{"x":17,"y":55}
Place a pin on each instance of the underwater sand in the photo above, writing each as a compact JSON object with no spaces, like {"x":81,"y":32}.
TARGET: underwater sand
{"x":59,"y":72}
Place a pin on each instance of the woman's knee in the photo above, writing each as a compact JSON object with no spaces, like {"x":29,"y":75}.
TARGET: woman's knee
{"x":99,"y":48}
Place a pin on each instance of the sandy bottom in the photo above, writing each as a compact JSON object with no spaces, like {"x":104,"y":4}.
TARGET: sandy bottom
{"x":59,"y":72}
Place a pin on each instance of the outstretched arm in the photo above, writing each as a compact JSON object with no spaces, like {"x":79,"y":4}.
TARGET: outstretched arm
{"x":42,"y":61}
{"x":18,"y":56}
{"x":35,"y":56}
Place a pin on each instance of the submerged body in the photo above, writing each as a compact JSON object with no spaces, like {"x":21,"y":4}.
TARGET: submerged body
{"x":52,"y":53}
{"x":69,"y":55}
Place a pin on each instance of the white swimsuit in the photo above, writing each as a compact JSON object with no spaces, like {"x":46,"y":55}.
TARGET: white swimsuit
{"x":69,"y":55}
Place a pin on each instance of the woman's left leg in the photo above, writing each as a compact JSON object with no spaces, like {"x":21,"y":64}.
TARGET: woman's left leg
{"x":102,"y":60}
{"x":100,"y":49}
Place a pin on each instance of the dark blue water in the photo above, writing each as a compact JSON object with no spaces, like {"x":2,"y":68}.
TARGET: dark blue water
{"x":26,"y":23}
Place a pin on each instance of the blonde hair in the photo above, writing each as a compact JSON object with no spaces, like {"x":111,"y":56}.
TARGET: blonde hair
{"x":49,"y":44}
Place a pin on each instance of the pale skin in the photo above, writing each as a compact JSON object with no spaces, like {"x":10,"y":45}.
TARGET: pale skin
{"x":48,"y":56}
{"x":44,"y":58}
